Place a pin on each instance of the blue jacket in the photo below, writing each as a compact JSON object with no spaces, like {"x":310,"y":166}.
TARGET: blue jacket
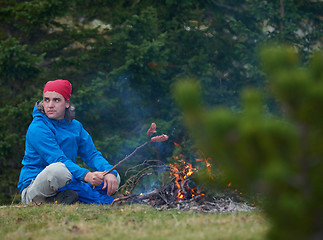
{"x":49,"y":141}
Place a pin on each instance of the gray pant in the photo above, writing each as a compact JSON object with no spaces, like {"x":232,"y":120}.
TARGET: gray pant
{"x":47,"y":182}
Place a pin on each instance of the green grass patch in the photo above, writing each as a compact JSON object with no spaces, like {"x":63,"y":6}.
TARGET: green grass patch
{"x":82,"y":221}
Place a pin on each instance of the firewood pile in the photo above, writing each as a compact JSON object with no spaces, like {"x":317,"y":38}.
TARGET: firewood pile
{"x":180,"y":192}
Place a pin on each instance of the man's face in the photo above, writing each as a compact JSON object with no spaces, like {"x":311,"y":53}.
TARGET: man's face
{"x":55,"y":105}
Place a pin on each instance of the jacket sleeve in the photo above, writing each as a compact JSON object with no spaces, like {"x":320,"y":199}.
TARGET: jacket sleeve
{"x":43,"y":140}
{"x":90,"y":155}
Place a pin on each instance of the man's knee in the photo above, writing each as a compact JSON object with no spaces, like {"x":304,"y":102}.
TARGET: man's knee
{"x":58,"y":172}
{"x":52,"y":178}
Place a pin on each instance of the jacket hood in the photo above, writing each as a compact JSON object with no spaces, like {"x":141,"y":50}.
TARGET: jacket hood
{"x":37,"y":112}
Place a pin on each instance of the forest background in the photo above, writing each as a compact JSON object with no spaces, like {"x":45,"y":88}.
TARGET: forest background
{"x":123,"y":58}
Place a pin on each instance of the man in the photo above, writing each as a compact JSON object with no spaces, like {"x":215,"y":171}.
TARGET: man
{"x":54,"y":139}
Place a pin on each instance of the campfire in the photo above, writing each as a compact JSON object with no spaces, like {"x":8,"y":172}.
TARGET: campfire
{"x":179,"y":193}
{"x":177,"y":189}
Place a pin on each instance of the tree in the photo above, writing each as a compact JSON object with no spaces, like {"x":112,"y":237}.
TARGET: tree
{"x":279,"y":157}
{"x":123,"y":58}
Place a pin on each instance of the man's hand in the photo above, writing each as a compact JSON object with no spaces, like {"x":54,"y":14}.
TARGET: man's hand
{"x":110,"y":181}
{"x":95,"y":178}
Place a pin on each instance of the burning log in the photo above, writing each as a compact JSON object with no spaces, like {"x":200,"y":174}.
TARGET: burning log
{"x":179,"y":187}
{"x":180,"y":192}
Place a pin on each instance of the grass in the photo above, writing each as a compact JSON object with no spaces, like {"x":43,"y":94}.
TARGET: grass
{"x":81,"y":221}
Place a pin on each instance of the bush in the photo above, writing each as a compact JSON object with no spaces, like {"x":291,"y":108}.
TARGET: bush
{"x":279,"y":157}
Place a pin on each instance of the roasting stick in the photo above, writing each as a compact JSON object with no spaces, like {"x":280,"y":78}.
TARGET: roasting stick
{"x":150,"y":132}
{"x":125,"y":159}
{"x":159,"y":138}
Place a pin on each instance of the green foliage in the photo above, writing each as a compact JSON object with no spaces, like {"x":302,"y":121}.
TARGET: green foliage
{"x":16,"y":62}
{"x":18,"y":70}
{"x":279,"y":157}
{"x":123,"y":58}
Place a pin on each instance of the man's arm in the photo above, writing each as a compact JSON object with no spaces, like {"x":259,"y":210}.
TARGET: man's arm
{"x":94,"y":159}
{"x":91,"y":156}
{"x":43,"y":140}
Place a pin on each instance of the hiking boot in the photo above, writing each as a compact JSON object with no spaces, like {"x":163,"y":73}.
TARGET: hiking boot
{"x":64,"y":197}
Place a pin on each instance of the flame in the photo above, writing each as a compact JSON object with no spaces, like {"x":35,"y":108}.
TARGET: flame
{"x":176,"y":144}
{"x":181,"y":172}
{"x":207,"y":163}
{"x":184,"y":170}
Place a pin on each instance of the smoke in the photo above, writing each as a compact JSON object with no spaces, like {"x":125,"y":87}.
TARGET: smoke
{"x":131,"y":117}
{"x":152,"y":181}
{"x":130,"y":100}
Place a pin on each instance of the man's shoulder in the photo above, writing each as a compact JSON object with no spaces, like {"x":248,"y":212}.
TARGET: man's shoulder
{"x":37,"y":124}
{"x":76,"y":123}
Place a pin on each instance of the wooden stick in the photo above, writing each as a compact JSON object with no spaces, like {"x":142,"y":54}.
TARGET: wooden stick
{"x":160,"y":138}
{"x":126,"y":158}
{"x":123,"y":160}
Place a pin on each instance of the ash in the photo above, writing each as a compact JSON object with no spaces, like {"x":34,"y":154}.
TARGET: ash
{"x":225,"y":205}
{"x":200,"y":204}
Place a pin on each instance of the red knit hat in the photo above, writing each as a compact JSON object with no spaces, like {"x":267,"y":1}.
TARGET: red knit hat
{"x":60,"y":86}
